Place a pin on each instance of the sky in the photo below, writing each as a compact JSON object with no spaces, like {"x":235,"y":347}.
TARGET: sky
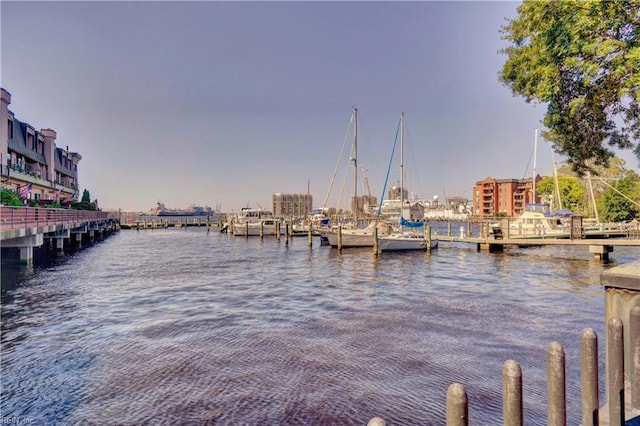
{"x":223,"y":104}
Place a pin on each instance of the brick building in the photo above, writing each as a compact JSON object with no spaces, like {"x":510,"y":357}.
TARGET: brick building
{"x":508,"y":196}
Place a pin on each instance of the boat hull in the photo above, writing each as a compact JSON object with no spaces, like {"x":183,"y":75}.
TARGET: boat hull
{"x":254,"y":229}
{"x":406,"y":243}
{"x":352,"y":238}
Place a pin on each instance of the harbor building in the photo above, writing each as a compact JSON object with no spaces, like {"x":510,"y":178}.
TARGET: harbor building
{"x":30,"y":159}
{"x":292,"y":205}
{"x":505,"y":196}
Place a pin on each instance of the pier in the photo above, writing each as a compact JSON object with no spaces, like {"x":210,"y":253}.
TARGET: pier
{"x":600,"y":242}
{"x":600,"y":247}
{"x":28,"y":227}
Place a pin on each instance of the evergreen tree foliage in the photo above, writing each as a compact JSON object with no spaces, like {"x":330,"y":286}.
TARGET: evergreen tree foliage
{"x":86,"y":196}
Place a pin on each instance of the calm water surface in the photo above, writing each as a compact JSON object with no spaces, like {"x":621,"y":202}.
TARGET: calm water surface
{"x":181,"y":326}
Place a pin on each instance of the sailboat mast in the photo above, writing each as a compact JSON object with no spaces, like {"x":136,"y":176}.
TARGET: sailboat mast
{"x":593,"y":197}
{"x":555,"y":176}
{"x":535,"y":153}
{"x":355,"y":163}
{"x":401,"y":165}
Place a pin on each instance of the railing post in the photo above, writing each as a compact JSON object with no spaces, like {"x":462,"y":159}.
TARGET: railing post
{"x":557,"y":412}
{"x":457,"y":406}
{"x":512,"y":394}
{"x":615,"y":371}
{"x":589,"y":373}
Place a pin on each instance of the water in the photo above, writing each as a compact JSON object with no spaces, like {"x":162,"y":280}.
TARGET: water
{"x":181,"y":326}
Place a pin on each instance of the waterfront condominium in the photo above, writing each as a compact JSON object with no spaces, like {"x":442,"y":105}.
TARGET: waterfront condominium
{"x":30,"y":161}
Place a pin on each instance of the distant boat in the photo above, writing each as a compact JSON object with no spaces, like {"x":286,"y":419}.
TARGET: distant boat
{"x":406,"y":236}
{"x":255,"y":222}
{"x":161,"y":210}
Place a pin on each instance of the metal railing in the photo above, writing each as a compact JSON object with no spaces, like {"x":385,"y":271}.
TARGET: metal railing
{"x":27,"y":217}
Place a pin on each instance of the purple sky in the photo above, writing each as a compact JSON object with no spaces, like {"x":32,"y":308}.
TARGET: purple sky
{"x":225,"y":103}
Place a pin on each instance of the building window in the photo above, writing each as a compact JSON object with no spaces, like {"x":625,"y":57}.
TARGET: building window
{"x":10,"y":129}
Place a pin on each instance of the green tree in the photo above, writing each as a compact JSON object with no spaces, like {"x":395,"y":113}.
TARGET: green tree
{"x":86,"y":196}
{"x":571,"y":191}
{"x":85,"y":203}
{"x":9,"y":197}
{"x":621,"y":200}
{"x":582,"y":59}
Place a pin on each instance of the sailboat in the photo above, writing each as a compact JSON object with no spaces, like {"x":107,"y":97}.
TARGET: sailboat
{"x":352,"y":234}
{"x":405,"y":237}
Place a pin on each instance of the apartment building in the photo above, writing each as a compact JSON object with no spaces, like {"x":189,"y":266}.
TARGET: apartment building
{"x":30,"y":156}
{"x":292,"y":205}
{"x":505,"y":196}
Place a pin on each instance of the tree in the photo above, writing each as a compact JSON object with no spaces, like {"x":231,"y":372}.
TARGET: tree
{"x":86,"y":196}
{"x":85,"y":203}
{"x":9,"y":197}
{"x":583,"y":60}
{"x":571,"y":191}
{"x":621,"y":201}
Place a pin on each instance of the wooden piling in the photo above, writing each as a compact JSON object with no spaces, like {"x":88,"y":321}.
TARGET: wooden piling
{"x":457,"y":406}
{"x":427,"y":231}
{"x":615,"y":372}
{"x":339,"y":237}
{"x":556,"y":389}
{"x":375,"y":240}
{"x":310,"y":235}
{"x":589,"y":373}
{"x":512,"y":394}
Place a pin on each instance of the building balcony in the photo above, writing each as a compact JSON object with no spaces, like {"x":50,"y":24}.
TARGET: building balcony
{"x":20,"y":174}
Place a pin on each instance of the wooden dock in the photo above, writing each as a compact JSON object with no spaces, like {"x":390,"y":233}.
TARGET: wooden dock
{"x":600,"y":247}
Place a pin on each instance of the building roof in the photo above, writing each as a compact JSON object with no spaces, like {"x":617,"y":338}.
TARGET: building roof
{"x":59,"y":166}
{"x":19,"y":141}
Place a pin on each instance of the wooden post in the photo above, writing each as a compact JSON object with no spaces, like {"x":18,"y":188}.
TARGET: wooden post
{"x":246,"y":229}
{"x":457,"y":406}
{"x":375,"y":240}
{"x":589,"y":373}
{"x":287,"y":232}
{"x":310,"y":235}
{"x":427,"y":230}
{"x":556,"y":389}
{"x":340,"y":237}
{"x":512,"y":394}
{"x":615,"y":372}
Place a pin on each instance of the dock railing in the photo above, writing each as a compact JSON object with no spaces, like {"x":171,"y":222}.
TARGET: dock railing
{"x":25,"y":217}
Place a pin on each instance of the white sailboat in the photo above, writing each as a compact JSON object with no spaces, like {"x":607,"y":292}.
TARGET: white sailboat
{"x":406,"y":237}
{"x":352,"y":234}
